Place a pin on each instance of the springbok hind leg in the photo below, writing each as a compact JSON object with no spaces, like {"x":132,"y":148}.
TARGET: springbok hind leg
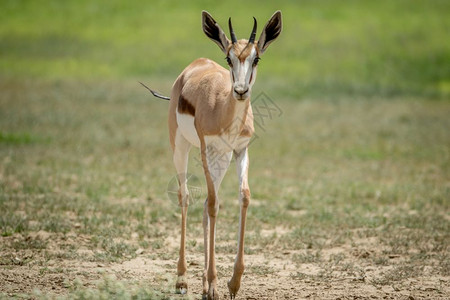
{"x":180,"y":160}
{"x":206,"y":243}
{"x":215,"y":164}
{"x":244,"y":200}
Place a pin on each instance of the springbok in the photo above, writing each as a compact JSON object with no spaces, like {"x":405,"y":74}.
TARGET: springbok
{"x":210,"y":108}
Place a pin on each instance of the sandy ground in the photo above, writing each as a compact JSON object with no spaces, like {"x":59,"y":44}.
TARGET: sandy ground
{"x":269,"y":275}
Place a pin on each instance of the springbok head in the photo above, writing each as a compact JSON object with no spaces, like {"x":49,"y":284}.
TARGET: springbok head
{"x":242,"y":55}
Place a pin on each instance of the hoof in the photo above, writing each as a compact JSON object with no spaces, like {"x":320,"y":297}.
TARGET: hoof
{"x":181,"y":286}
{"x":233,"y":289}
{"x":213,"y":294}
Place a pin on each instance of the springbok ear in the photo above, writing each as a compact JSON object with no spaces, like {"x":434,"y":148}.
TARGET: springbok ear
{"x":270,"y":32}
{"x":214,"y":32}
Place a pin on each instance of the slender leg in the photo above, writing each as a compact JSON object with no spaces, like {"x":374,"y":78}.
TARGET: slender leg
{"x":215,"y":164}
{"x":206,"y":246}
{"x":180,"y":159}
{"x":242,"y":163}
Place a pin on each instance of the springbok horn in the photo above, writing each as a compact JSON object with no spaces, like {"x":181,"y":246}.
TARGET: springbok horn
{"x":252,"y":36}
{"x":233,"y":36}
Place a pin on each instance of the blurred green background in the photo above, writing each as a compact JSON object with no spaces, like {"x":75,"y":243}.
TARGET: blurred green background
{"x":327,"y":49}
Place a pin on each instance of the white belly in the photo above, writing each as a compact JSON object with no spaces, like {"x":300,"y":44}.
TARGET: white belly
{"x":226,"y":142}
{"x":187,"y":128}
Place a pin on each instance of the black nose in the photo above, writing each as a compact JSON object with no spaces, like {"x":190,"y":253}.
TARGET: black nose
{"x":240,"y":94}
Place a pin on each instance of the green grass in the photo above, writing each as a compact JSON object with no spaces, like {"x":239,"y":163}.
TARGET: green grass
{"x":341,"y":171}
{"x":328,"y":48}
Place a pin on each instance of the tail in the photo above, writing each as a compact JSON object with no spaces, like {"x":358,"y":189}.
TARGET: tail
{"x":155,"y":93}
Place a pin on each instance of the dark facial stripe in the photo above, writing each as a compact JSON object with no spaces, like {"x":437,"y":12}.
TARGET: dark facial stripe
{"x":245,"y":52}
{"x":184,"y":107}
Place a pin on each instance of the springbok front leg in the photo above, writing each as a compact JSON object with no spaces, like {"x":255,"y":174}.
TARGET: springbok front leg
{"x":180,"y":159}
{"x":215,"y":164}
{"x":242,"y":163}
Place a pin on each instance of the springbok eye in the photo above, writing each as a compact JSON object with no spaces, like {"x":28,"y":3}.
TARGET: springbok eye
{"x":229,"y":61}
{"x":256,"y":61}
